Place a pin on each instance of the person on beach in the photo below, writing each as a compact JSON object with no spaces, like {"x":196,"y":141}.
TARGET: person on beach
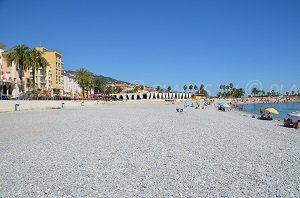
{"x":261,"y":110}
{"x":262,"y":117}
{"x":288,"y":122}
{"x":269,"y":117}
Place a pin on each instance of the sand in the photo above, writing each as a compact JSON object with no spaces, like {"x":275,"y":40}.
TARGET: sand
{"x":127,"y":149}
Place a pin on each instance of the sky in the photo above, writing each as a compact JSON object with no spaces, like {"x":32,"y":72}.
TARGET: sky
{"x":251,"y":43}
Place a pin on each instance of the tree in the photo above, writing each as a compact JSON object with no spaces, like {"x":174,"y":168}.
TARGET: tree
{"x":203,"y":91}
{"x":195,"y":88}
{"x":142,"y":87}
{"x":201,"y":87}
{"x":185,"y":88}
{"x":221,"y":87}
{"x":227,"y":87}
{"x":109,"y":90}
{"x":287,"y":93}
{"x":19,"y":55}
{"x":136,"y":89}
{"x":91,"y":84}
{"x":238,"y":93}
{"x":37,"y":61}
{"x":272,"y":92}
{"x":254,"y":91}
{"x":169,"y":88}
{"x":191,"y":87}
{"x":158,"y":88}
{"x":83,"y":77}
{"x":231,"y":86}
{"x":99,"y":86}
{"x":118,"y":89}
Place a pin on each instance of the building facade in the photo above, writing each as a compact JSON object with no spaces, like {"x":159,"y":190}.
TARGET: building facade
{"x":43,"y":80}
{"x":56,"y":70}
{"x":9,"y":78}
{"x":71,"y":87}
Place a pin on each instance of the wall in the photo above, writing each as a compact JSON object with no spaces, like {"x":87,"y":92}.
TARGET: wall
{"x":9,"y":105}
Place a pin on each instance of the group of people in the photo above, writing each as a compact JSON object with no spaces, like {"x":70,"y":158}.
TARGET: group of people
{"x":289,"y":123}
{"x":263,"y":116}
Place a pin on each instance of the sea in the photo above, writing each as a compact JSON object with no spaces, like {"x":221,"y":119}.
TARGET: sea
{"x":282,"y":108}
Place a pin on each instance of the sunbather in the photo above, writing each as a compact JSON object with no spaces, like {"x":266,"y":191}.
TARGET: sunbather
{"x":288,"y":122}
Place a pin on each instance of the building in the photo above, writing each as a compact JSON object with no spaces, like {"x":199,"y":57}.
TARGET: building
{"x":198,"y":96}
{"x":71,"y":87}
{"x":43,"y":80}
{"x":54,"y":58}
{"x":9,"y":78}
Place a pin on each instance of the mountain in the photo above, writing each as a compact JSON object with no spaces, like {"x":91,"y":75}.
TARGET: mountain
{"x":101,"y":78}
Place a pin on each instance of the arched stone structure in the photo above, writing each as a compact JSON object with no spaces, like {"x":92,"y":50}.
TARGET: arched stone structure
{"x":153,"y":96}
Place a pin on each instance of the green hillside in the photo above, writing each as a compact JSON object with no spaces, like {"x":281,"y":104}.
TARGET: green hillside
{"x":101,"y":78}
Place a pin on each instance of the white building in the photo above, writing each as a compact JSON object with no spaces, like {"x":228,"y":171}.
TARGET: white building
{"x":71,"y":87}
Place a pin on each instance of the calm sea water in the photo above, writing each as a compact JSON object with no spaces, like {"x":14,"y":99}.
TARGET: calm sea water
{"x":283,"y":108}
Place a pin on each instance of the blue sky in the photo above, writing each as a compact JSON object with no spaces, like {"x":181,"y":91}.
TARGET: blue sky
{"x":166,"y":42}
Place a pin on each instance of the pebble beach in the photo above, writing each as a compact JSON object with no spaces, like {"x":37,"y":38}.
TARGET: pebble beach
{"x":140,"y":149}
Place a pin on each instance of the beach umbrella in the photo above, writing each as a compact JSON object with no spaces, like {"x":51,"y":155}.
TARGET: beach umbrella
{"x":272,"y":110}
{"x":224,"y":104}
{"x":294,"y":114}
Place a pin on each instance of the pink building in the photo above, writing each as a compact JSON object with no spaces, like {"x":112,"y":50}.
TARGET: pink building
{"x":9,"y":77}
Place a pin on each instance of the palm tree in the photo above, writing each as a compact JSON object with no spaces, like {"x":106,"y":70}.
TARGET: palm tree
{"x":272,"y":92}
{"x":91,"y":84}
{"x":195,"y":88}
{"x":158,"y":88}
{"x":201,"y":87}
{"x":191,"y":87}
{"x":227,"y":87}
{"x":136,"y":89}
{"x":119,"y":90}
{"x":19,"y":55}
{"x":254,"y":91}
{"x":231,"y":86}
{"x":221,"y":87}
{"x":37,"y":61}
{"x":83,"y":77}
{"x":109,"y":90}
{"x":185,"y":88}
{"x":169,"y":88}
